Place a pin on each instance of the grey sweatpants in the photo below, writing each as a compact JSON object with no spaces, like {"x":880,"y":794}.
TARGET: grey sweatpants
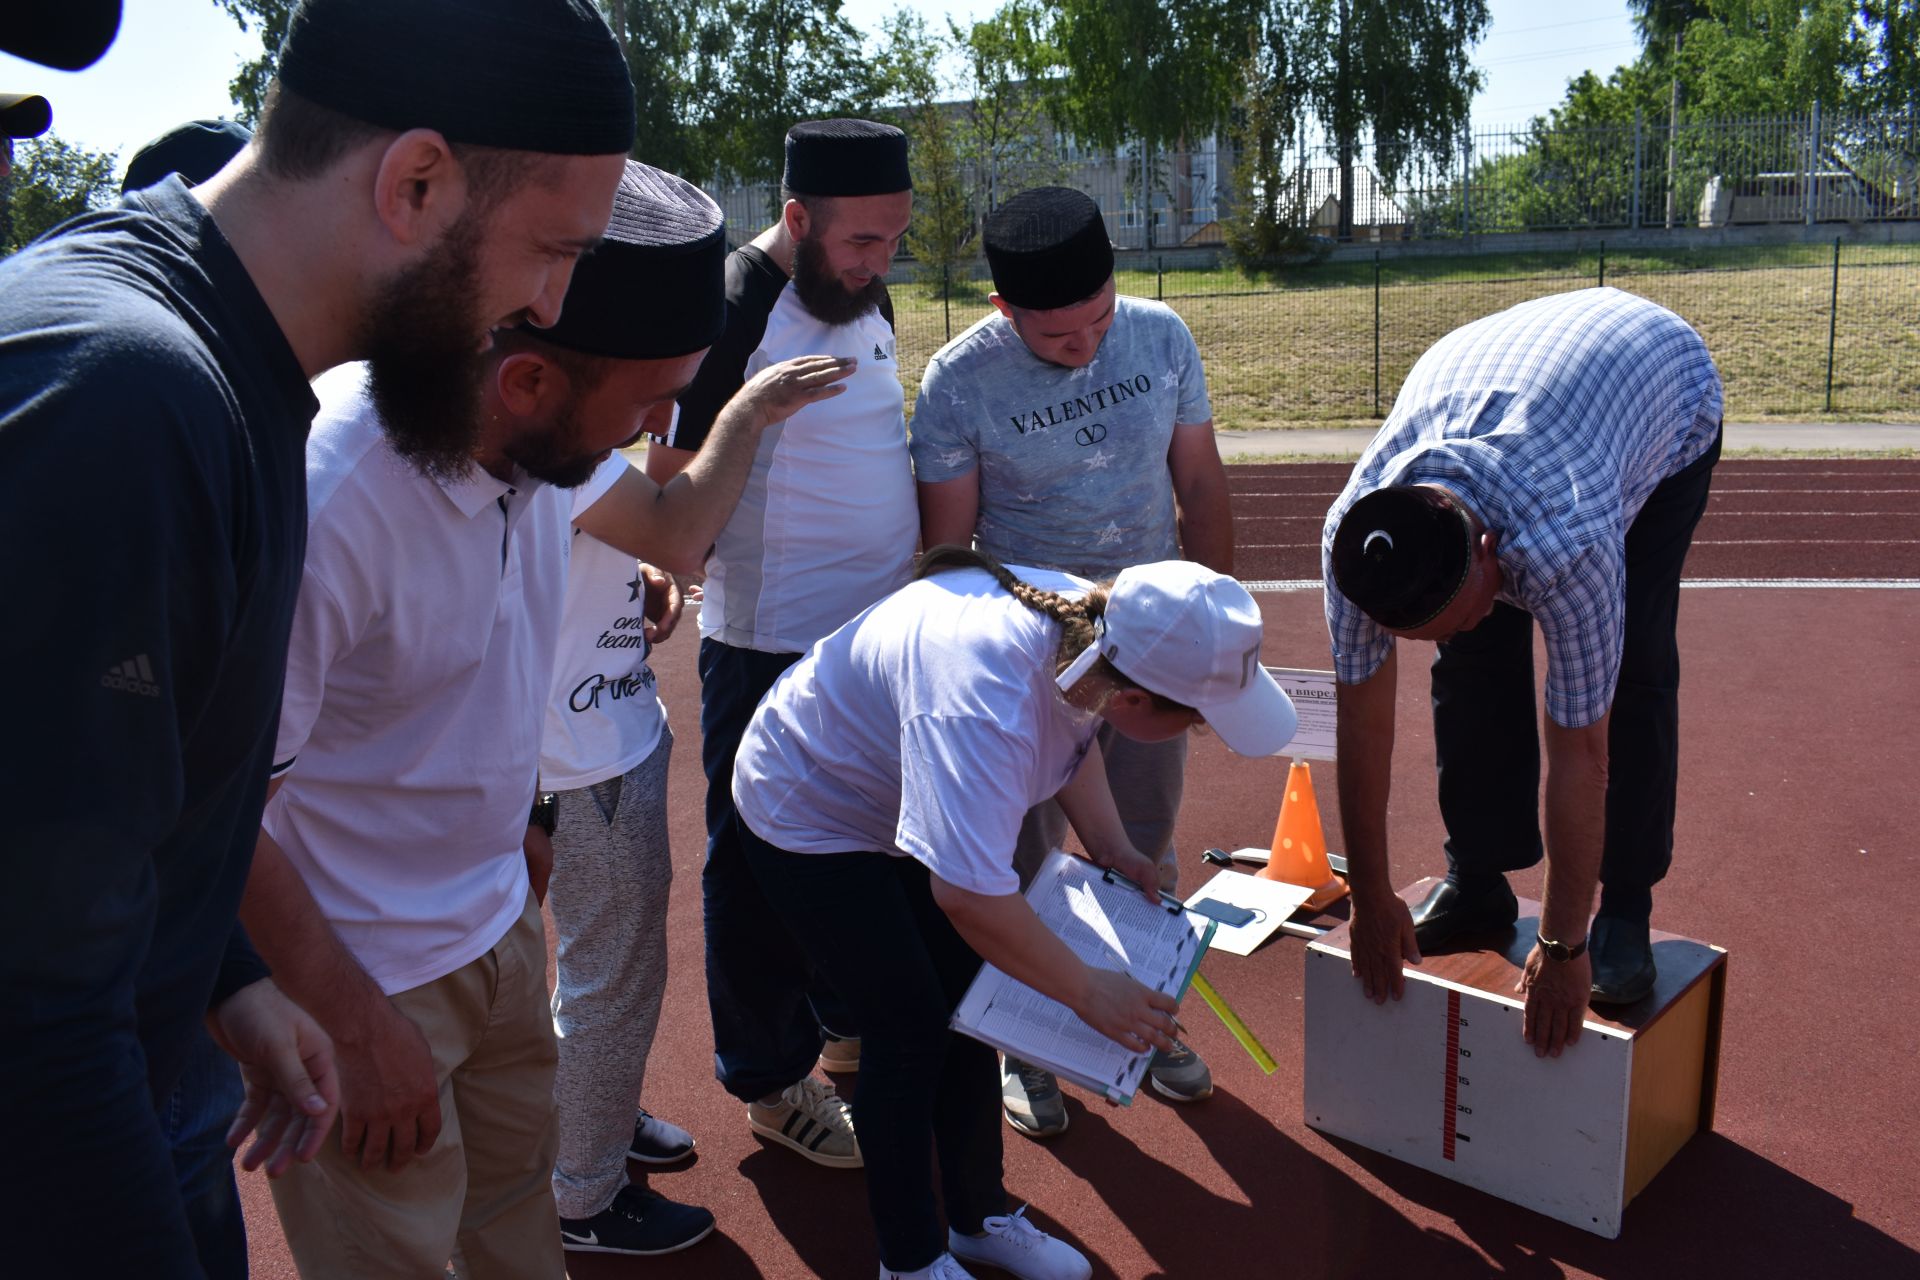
{"x":611,"y":872}
{"x":1147,"y":779}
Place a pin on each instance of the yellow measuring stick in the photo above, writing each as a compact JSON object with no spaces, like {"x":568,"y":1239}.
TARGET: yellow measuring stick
{"x":1247,"y":1039}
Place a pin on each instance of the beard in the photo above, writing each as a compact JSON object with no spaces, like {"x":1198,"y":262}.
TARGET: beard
{"x":424,"y":363}
{"x":820,"y":290}
{"x":554,"y":456}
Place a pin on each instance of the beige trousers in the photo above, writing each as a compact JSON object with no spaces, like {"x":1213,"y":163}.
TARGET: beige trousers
{"x":483,"y":1195}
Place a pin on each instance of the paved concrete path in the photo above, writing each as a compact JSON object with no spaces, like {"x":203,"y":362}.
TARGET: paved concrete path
{"x":1854,"y":437}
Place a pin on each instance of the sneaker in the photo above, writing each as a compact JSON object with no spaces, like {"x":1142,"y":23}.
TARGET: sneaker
{"x":840,"y":1053}
{"x":1017,"y":1246}
{"x":812,"y":1119}
{"x":1030,"y":1099}
{"x":657,"y":1142}
{"x":1180,"y":1075}
{"x":944,"y":1267}
{"x":637,"y":1222}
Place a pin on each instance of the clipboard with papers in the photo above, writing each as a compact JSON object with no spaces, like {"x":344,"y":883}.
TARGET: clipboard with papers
{"x":1106,"y":921}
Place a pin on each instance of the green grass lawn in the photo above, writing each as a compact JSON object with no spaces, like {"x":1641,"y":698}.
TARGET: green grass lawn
{"x":1296,"y":348}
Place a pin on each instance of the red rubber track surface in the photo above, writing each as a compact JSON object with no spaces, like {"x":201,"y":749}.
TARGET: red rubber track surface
{"x":1765,"y":519}
{"x":1795,"y":849}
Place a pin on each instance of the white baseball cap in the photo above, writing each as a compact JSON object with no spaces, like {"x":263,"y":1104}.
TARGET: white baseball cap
{"x":1178,"y":629}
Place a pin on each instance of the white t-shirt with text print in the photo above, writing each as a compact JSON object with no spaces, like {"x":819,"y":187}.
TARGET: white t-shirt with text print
{"x":604,"y":715}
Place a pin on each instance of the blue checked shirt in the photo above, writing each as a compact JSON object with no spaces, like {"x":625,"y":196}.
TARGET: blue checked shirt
{"x":1553,"y":420}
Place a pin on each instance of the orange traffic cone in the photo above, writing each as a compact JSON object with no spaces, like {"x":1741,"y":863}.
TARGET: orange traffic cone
{"x":1299,"y":854}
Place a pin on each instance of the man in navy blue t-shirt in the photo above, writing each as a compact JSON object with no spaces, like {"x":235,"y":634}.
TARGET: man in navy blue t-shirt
{"x":396,"y":206}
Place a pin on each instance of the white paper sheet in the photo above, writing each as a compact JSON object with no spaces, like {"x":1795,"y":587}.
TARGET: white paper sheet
{"x":1271,"y":901}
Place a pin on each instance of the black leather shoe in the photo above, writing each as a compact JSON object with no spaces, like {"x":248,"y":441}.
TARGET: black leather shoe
{"x":1622,"y":960}
{"x":1449,"y":912}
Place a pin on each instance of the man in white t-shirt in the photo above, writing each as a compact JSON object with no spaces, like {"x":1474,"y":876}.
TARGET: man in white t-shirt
{"x":396,"y":882}
{"x":827,"y":525}
{"x":1071,"y":430}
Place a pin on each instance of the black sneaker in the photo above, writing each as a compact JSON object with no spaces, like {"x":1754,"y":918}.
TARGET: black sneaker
{"x":637,"y":1222}
{"x":655,"y":1141}
{"x":1623,"y":971}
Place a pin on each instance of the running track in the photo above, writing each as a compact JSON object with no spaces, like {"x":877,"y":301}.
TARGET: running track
{"x":1795,"y":850}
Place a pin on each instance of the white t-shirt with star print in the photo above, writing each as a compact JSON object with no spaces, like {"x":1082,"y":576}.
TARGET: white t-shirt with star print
{"x":604,"y":714}
{"x":1072,"y":462}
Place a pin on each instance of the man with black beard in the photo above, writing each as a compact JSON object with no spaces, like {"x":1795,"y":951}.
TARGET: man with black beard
{"x":162,"y":349}
{"x":827,"y":526}
{"x":396,"y":885}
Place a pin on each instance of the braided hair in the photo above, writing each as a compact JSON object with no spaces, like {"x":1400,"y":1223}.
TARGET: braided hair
{"x":1075,"y":617}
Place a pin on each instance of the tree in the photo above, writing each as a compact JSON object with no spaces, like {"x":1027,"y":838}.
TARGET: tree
{"x":941,"y":234}
{"x":677,"y":52}
{"x":1268,"y":224}
{"x":1395,"y":70}
{"x":248,"y":88}
{"x":1153,"y":71}
{"x":1661,"y":21}
{"x":1009,"y":138}
{"x":51,"y":181}
{"x":789,"y":60}
{"x":1156,"y":73}
{"x":973,"y":147}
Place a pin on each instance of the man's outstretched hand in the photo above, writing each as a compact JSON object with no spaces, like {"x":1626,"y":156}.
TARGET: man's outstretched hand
{"x":286,"y":1062}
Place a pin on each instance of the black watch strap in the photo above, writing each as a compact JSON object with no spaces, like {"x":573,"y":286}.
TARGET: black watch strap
{"x":1560,"y":951}
{"x":546,"y":812}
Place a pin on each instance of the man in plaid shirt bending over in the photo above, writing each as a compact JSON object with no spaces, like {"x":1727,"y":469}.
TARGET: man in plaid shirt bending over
{"x":1548,"y":463}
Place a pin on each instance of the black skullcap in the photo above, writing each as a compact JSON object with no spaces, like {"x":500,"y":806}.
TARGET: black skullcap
{"x":656,"y":286}
{"x":1402,"y":553}
{"x":1048,"y":248}
{"x":24,"y":115}
{"x":196,"y":151}
{"x":524,"y":75}
{"x":68,"y":34}
{"x":846,"y":158}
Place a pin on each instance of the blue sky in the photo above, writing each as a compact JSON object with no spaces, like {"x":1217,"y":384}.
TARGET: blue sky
{"x":173,"y":60}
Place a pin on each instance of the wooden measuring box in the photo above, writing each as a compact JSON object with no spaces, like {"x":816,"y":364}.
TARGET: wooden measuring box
{"x":1442,"y":1079}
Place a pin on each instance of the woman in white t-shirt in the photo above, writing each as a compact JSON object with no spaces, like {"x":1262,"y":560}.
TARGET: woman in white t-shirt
{"x":883,"y":781}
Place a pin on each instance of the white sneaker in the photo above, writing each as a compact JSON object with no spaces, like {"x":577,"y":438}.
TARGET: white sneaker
{"x":1015,"y":1245}
{"x":944,"y":1267}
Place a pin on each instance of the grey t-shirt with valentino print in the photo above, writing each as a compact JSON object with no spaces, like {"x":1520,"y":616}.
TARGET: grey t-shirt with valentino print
{"x":1072,"y":462}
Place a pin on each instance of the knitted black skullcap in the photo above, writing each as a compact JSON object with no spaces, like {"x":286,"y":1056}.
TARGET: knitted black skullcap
{"x":524,"y":75}
{"x":24,"y":115}
{"x":846,"y":158}
{"x":68,"y":34}
{"x":656,"y":286}
{"x":1402,"y":553}
{"x":1048,"y":248}
{"x":196,"y":151}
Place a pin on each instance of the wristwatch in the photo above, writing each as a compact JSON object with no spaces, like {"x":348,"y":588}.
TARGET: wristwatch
{"x":1560,"y":952}
{"x":546,"y":812}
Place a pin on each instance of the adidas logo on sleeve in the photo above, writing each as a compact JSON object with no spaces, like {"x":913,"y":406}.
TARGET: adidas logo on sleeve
{"x":133,"y":676}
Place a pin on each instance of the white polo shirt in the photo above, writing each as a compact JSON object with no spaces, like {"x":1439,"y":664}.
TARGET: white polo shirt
{"x":604,"y":715}
{"x":421,"y":656}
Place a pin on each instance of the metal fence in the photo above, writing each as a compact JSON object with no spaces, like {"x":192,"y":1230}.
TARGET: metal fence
{"x":1798,"y":330}
{"x":1810,"y":169}
{"x":1817,"y":168}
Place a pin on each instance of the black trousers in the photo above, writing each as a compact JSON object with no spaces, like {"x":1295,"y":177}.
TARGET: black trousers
{"x":1487,"y":738}
{"x":928,"y":1095}
{"x":768,"y":1011}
